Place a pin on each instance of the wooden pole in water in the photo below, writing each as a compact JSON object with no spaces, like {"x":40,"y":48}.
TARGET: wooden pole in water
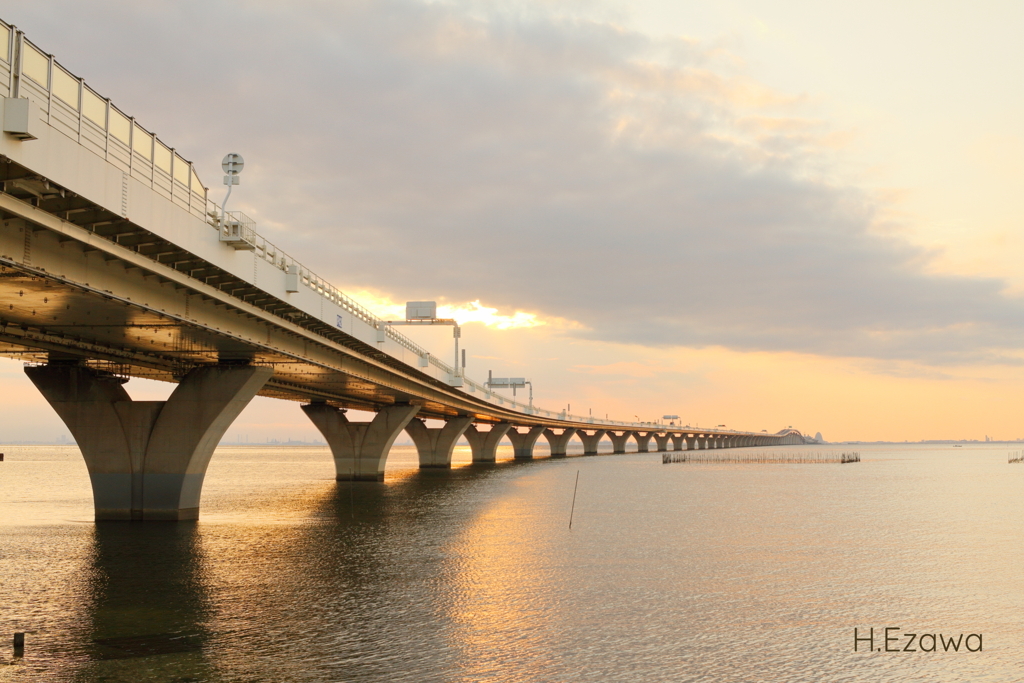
{"x":573,"y":509}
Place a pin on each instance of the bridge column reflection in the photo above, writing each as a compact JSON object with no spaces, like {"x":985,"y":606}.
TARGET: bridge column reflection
{"x":360,"y":449}
{"x":150,"y":606}
{"x":147,"y":459}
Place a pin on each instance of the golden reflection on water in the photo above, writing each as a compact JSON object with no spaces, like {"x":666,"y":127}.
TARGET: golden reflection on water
{"x":502,"y":603}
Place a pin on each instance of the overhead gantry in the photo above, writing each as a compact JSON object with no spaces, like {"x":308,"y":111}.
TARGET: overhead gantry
{"x":115,"y":264}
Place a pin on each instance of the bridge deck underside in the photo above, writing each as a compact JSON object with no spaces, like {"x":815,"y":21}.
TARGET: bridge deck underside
{"x":42,"y":318}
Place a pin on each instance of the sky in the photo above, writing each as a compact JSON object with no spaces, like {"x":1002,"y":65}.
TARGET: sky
{"x":751,"y":213}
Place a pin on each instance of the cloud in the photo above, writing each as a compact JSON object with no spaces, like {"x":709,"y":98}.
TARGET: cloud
{"x":622,"y":368}
{"x":645,"y":189}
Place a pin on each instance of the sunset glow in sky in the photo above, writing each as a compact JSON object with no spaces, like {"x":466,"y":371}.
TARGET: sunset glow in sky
{"x":750,"y":213}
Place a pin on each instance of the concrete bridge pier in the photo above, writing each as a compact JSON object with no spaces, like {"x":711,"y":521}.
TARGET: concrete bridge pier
{"x":662,"y":441}
{"x":435,"y":444}
{"x":619,"y":441}
{"x":485,"y":444}
{"x":679,"y":442}
{"x":523,"y":442}
{"x":691,"y":443}
{"x":558,"y":442}
{"x":147,"y":459}
{"x":643,"y":441}
{"x":590,"y":441}
{"x":360,"y":449}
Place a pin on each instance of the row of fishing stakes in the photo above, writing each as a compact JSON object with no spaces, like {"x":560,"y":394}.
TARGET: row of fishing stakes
{"x":762,"y":457}
{"x":1016,"y":456}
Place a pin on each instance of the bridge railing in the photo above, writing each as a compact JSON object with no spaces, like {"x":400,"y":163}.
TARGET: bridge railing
{"x":71,"y":107}
{"x":280,"y":259}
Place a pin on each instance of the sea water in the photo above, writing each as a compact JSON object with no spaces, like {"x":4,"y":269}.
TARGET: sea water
{"x":670,"y":572}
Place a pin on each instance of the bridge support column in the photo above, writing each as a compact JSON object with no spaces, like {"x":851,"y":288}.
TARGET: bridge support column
{"x":147,"y":459}
{"x":662,"y":441}
{"x":619,"y":441}
{"x":691,"y":443}
{"x":590,"y":441}
{"x":360,"y":449}
{"x":678,"y":442}
{"x":485,"y":444}
{"x":643,"y":441}
{"x":523,"y":442}
{"x":558,"y":442}
{"x":435,"y":444}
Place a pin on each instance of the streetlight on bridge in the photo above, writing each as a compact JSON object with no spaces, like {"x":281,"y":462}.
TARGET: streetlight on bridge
{"x":232,"y":165}
{"x":425,"y":313}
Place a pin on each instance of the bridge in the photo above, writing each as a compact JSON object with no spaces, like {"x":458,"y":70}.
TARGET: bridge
{"x":115,"y":263}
